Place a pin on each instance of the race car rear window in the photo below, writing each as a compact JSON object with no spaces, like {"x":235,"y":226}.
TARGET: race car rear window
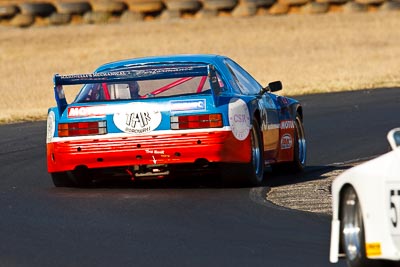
{"x":143,"y":89}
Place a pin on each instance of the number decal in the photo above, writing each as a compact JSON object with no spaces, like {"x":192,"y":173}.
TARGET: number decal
{"x":394,"y":208}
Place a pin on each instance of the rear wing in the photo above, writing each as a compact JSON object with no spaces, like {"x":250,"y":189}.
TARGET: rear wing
{"x":133,"y":75}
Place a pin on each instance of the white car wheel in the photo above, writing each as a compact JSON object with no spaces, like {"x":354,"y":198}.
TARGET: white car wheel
{"x":352,"y":231}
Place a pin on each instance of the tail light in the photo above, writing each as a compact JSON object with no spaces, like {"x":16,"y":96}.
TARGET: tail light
{"x":196,"y":121}
{"x":82,"y":128}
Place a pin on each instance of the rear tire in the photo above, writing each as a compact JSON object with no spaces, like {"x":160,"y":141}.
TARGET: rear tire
{"x":96,"y":17}
{"x":62,"y":179}
{"x":248,"y":174}
{"x":300,"y":147}
{"x":8,"y":11}
{"x":41,"y":9}
{"x":255,"y":169}
{"x":77,"y":178}
{"x":145,"y":6}
{"x":219,"y":4}
{"x":59,"y":19}
{"x":179,"y":5}
{"x":22,"y":21}
{"x":73,"y":8}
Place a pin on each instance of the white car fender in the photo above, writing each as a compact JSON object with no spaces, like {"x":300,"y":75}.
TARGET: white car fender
{"x":368,"y":182}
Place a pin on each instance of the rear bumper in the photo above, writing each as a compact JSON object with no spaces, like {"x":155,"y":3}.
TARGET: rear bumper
{"x":218,"y":146}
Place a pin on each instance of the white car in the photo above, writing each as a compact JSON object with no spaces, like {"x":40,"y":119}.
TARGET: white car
{"x":366,"y":211}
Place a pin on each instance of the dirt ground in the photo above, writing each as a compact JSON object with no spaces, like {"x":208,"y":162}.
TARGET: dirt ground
{"x":309,"y":192}
{"x":308,"y":53}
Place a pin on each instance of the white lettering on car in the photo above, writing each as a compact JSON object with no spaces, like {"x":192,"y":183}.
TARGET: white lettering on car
{"x":137,"y":118}
{"x":92,"y":111}
{"x":184,"y":105}
{"x":287,"y":125}
{"x":239,"y":118}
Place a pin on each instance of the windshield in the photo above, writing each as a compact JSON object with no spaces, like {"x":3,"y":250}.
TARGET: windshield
{"x":143,"y":89}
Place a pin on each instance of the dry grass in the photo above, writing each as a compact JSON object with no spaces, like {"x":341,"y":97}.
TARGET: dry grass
{"x":309,"y":53}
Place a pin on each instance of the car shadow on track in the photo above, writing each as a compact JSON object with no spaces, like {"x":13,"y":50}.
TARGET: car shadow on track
{"x":271,"y":179}
{"x":311,"y":173}
{"x":190,"y":182}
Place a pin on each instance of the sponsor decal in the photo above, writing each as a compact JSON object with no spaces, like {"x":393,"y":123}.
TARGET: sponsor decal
{"x":239,"y":118}
{"x":373,"y":249}
{"x":91,"y":111}
{"x":51,"y":118}
{"x":137,"y":118}
{"x":184,"y":105}
{"x":95,"y":75}
{"x":287,"y":125}
{"x":150,"y":151}
{"x":135,"y":73}
{"x":286,"y":141}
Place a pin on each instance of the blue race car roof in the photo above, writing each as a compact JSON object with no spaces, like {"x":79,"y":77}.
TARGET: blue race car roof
{"x":156,"y":60}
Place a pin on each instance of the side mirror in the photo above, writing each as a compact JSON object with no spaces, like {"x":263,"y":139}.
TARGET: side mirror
{"x":272,"y":87}
{"x":394,"y":138}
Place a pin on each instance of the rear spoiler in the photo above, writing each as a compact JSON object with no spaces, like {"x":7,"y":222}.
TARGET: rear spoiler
{"x":130,"y":75}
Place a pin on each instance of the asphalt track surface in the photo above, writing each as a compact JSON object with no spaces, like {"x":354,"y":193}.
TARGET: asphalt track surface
{"x":180,"y":223}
